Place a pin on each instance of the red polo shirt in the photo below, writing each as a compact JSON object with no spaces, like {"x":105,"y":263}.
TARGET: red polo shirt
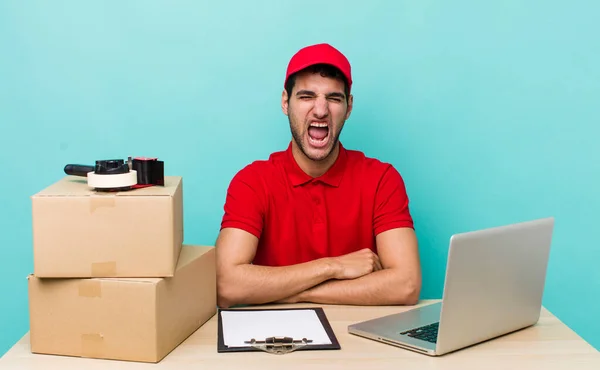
{"x":298,"y":218}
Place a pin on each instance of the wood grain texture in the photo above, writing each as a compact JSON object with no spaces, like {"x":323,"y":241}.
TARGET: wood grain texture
{"x":548,"y":345}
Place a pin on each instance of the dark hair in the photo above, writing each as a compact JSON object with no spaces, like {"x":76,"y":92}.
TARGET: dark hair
{"x":325,"y":70}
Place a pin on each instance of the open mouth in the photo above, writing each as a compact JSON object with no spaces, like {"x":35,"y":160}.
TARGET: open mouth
{"x":318,"y":134}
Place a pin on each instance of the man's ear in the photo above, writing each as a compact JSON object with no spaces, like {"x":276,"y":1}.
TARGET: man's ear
{"x":350,"y":105}
{"x":284,"y":102}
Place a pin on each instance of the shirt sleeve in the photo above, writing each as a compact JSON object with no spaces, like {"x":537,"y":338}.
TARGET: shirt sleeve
{"x":391,"y":203}
{"x":244,"y":203}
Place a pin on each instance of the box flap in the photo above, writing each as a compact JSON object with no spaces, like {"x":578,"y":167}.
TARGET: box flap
{"x":122,"y":280}
{"x":189,"y":253}
{"x":131,"y":280}
{"x":77,"y":186}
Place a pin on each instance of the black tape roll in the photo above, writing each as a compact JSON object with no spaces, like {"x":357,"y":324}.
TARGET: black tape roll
{"x":149,"y":171}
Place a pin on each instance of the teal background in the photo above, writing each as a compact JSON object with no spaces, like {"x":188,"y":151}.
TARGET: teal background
{"x":490,"y":111}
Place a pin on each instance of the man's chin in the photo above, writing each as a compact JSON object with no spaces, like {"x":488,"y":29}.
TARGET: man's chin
{"x":317,"y":154}
{"x":313,"y":153}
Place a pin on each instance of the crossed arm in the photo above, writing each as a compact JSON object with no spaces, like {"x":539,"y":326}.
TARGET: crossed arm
{"x":392,"y":276}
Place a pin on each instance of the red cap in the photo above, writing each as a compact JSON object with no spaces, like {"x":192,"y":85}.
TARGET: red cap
{"x":317,"y":54}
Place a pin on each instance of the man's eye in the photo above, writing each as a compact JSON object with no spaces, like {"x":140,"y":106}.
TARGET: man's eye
{"x":337,"y":100}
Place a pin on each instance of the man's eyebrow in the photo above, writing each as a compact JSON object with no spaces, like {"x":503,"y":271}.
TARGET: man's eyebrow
{"x":336,"y":95}
{"x":305,"y":92}
{"x":330,"y":95}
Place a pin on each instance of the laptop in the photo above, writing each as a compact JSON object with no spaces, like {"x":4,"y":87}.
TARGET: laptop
{"x":493,"y":286}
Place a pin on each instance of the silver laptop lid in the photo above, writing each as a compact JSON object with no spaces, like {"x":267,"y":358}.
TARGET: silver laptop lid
{"x":494,"y":282}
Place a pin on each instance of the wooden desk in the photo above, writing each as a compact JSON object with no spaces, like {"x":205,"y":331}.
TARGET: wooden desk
{"x":548,"y":345}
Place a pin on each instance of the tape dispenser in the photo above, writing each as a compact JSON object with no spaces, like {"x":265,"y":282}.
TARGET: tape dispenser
{"x":119,"y":175}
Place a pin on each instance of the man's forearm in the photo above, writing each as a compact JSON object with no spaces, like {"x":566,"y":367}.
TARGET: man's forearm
{"x":384,"y":287}
{"x":252,"y":284}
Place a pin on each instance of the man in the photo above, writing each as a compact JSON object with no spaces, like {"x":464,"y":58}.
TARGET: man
{"x":317,"y":222}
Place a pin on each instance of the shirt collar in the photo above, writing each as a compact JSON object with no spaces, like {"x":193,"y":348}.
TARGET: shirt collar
{"x":332,"y":177}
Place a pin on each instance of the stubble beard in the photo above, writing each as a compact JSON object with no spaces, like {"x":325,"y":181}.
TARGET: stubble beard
{"x":298,"y":139}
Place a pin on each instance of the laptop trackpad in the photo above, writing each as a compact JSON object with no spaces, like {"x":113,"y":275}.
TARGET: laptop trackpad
{"x":395,"y":324}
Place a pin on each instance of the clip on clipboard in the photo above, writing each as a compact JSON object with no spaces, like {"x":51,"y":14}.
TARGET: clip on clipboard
{"x":276,"y":331}
{"x":278,"y":345}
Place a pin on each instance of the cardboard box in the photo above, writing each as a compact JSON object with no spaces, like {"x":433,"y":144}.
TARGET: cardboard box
{"x":79,"y":232}
{"x":123,"y":318}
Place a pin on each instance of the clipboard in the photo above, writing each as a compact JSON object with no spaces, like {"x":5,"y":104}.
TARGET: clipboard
{"x":277,"y":343}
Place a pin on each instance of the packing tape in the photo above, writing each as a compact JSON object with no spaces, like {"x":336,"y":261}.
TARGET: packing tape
{"x":101,"y":201}
{"x":92,"y":345}
{"x":90,"y":288}
{"x":113,"y":181}
{"x":104,"y":269}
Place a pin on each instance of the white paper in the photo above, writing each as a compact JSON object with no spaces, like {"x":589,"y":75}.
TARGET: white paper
{"x":240,"y":326}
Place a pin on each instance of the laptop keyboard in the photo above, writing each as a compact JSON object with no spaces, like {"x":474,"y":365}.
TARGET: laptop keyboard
{"x":427,"y":333}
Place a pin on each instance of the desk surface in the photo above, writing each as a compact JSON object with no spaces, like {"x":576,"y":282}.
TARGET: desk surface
{"x":549,"y":344}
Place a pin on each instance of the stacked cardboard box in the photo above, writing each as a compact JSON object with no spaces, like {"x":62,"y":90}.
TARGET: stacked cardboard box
{"x":112,"y":278}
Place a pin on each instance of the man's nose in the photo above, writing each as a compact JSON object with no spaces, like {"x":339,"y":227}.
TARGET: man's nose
{"x":321,"y":108}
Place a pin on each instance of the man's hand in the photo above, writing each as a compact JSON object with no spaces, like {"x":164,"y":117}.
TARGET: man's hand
{"x":347,"y":267}
{"x":356,"y":264}
{"x":399,"y":282}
